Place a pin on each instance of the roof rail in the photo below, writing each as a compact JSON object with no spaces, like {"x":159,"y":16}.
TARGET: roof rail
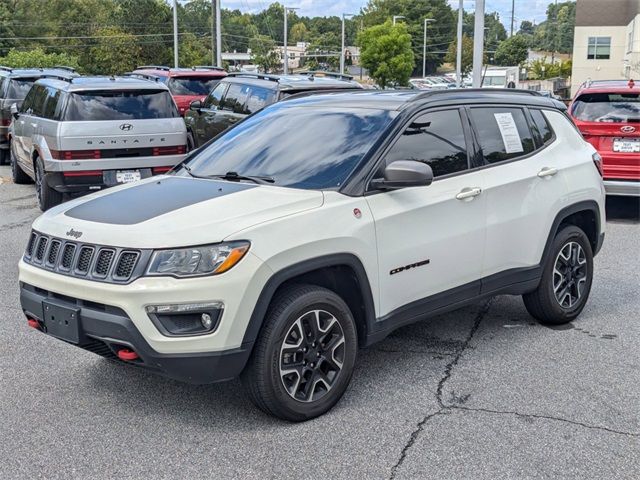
{"x":209,"y":67}
{"x":499,"y":91}
{"x":154,"y":67}
{"x":144,"y":76}
{"x":623,"y":82}
{"x":6,"y":69}
{"x":65,"y":67}
{"x":322,"y":73}
{"x":261,"y":76}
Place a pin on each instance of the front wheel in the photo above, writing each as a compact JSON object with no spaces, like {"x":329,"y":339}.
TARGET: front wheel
{"x":566,"y":279}
{"x":302,"y":362}
{"x":47,"y":196}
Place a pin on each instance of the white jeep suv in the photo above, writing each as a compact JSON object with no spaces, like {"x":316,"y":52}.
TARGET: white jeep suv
{"x":317,"y":226}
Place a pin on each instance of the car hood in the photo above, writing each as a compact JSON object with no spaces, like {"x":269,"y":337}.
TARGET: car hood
{"x":170,"y":211}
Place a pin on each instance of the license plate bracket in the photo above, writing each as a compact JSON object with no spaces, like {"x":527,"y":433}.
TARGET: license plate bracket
{"x":128,"y":176}
{"x":626,"y":145}
{"x":62,"y":322}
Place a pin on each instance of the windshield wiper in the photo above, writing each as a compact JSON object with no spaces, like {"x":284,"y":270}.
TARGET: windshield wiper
{"x":233,"y":176}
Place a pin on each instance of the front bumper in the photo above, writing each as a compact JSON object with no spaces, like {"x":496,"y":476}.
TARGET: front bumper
{"x":626,"y":188}
{"x":105,"y":330}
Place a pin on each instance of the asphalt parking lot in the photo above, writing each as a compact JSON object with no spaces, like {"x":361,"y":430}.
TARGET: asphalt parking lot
{"x":483,"y":392}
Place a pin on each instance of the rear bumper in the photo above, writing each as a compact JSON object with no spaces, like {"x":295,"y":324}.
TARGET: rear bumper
{"x":627,"y":188}
{"x":105,"y":330}
{"x":80,"y":183}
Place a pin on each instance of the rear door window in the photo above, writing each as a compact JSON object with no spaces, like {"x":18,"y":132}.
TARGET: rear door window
{"x":607,"y":107}
{"x":435,"y":138}
{"x":51,"y":105}
{"x":19,"y":87}
{"x":235,"y":98}
{"x":215,"y":97}
{"x":38,"y":100}
{"x":259,"y":98}
{"x":120,"y":105}
{"x":502,"y":132}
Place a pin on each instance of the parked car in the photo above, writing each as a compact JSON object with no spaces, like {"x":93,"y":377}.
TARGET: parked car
{"x":14,"y":85}
{"x":608,"y":115}
{"x":317,"y":226}
{"x":185,"y":84}
{"x":241,"y":94}
{"x":84,"y":134}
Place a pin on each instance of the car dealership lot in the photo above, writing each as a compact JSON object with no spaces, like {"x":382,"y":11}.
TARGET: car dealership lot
{"x":483,"y":392}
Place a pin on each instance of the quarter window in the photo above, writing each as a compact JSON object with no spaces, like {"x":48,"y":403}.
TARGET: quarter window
{"x":599,"y":48}
{"x":259,"y":98}
{"x":503,"y":133}
{"x":436,"y":138}
{"x":541,"y":124}
{"x":51,"y":103}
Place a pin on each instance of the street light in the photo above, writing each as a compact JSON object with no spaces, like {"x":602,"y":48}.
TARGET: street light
{"x":344,"y":15}
{"x":424,"y":48}
{"x":286,"y":54}
{"x":395,"y":17}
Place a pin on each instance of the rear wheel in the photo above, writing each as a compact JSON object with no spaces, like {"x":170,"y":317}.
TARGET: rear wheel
{"x":191,"y":144}
{"x":47,"y":196}
{"x":566,"y":279}
{"x":17,"y":174}
{"x":4,"y":156}
{"x":303,"y":360}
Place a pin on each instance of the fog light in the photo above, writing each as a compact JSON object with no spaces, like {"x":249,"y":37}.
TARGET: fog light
{"x":183,"y":307}
{"x":207,"y":321}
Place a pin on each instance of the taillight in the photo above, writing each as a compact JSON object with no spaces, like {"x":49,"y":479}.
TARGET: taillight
{"x":83,"y":173}
{"x":5,"y":122}
{"x":76,"y":154}
{"x":597,"y":160}
{"x":170,"y":150}
{"x":159,"y":170}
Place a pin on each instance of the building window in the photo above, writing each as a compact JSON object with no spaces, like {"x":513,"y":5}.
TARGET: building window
{"x":599,"y":48}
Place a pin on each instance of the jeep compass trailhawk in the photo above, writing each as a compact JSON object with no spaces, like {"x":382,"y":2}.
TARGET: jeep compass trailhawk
{"x":276,"y":256}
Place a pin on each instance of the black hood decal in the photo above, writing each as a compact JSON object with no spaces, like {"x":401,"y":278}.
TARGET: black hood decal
{"x":144,"y":202}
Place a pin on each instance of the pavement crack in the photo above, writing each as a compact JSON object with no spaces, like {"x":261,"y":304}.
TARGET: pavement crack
{"x":543,"y":417}
{"x":458,"y":355}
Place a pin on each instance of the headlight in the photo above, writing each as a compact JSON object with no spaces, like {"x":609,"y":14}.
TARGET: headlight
{"x":196,"y":261}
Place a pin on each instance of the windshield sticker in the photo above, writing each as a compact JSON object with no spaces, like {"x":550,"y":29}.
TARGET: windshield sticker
{"x":509,"y":132}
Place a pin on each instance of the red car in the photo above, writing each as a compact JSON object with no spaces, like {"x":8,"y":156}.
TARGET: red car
{"x":185,"y":84}
{"x":608,"y":115}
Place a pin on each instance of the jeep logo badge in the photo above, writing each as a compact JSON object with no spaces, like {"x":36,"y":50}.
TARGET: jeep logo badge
{"x":73,"y":233}
{"x":628,"y":129}
{"x":126,"y":127}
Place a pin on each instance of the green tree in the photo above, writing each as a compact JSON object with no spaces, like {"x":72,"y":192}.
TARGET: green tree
{"x":264,"y":53}
{"x":512,"y":51}
{"x":467,"y":55}
{"x":298,"y":32}
{"x":328,"y":44}
{"x":192,"y":51}
{"x":527,"y":28}
{"x":37,"y":58}
{"x":385,"y":50}
{"x":116,"y":52}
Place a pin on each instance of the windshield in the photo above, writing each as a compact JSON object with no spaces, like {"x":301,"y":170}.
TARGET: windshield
{"x":192,"y":85}
{"x":300,"y":147}
{"x":120,"y":105}
{"x":19,"y":87}
{"x":608,"y":107}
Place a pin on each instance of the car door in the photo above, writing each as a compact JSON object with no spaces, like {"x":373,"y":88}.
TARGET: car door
{"x":22,"y":131}
{"x":203,"y":116}
{"x":524,"y":185}
{"x":230,"y":111}
{"x":431,"y":239}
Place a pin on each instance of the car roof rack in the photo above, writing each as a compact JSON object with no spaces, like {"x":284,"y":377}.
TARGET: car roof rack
{"x":6,"y":69}
{"x":153,"y":67}
{"x":261,"y":76}
{"x":508,"y":91}
{"x":209,"y":67}
{"x":144,"y":76}
{"x":322,"y":73}
{"x":65,"y":67}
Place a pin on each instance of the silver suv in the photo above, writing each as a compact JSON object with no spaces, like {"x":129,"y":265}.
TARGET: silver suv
{"x":82,"y":134}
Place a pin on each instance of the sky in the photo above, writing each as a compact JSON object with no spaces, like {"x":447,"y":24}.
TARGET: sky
{"x":533,"y":10}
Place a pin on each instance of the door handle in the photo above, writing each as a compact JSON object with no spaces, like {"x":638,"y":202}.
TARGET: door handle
{"x":469,"y":193}
{"x":547,"y":172}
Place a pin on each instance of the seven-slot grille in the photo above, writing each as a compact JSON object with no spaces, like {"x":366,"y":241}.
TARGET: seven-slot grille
{"x":93,"y":262}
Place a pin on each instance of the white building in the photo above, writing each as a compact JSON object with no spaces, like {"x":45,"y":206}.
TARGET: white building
{"x":606,"y":44}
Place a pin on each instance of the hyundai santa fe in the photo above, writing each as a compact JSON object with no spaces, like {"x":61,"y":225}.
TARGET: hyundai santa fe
{"x":275,"y":257}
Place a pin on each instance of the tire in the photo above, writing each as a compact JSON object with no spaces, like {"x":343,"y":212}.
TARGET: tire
{"x":191,"y":145}
{"x":47,"y":196}
{"x":4,"y":156}
{"x":17,"y":174}
{"x":566,"y":279}
{"x":315,"y":323}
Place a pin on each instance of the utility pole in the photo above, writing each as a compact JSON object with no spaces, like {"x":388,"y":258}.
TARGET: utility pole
{"x":513,"y":10}
{"x":213,"y":33}
{"x":175,"y":33}
{"x":218,"y":35}
{"x":424,"y":47}
{"x":344,"y":15}
{"x":459,"y":47}
{"x":286,"y":53}
{"x":478,"y":44}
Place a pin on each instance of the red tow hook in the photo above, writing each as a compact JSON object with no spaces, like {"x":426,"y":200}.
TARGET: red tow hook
{"x":33,"y":323}
{"x":127,"y":355}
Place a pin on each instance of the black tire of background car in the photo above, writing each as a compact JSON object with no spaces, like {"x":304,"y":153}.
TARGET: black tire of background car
{"x":542,"y":303}
{"x":261,"y":376}
{"x":47,"y":196}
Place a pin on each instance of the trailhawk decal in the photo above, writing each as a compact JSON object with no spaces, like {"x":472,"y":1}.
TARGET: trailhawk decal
{"x":143,"y":202}
{"x":410,"y":266}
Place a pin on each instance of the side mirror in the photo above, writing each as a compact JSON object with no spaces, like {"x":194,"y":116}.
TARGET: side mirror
{"x":14,"y":111}
{"x":195,"y":105}
{"x":404,"y":173}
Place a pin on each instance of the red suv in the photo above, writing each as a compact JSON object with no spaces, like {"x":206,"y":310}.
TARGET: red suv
{"x":608,"y":115}
{"x":185,"y":84}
